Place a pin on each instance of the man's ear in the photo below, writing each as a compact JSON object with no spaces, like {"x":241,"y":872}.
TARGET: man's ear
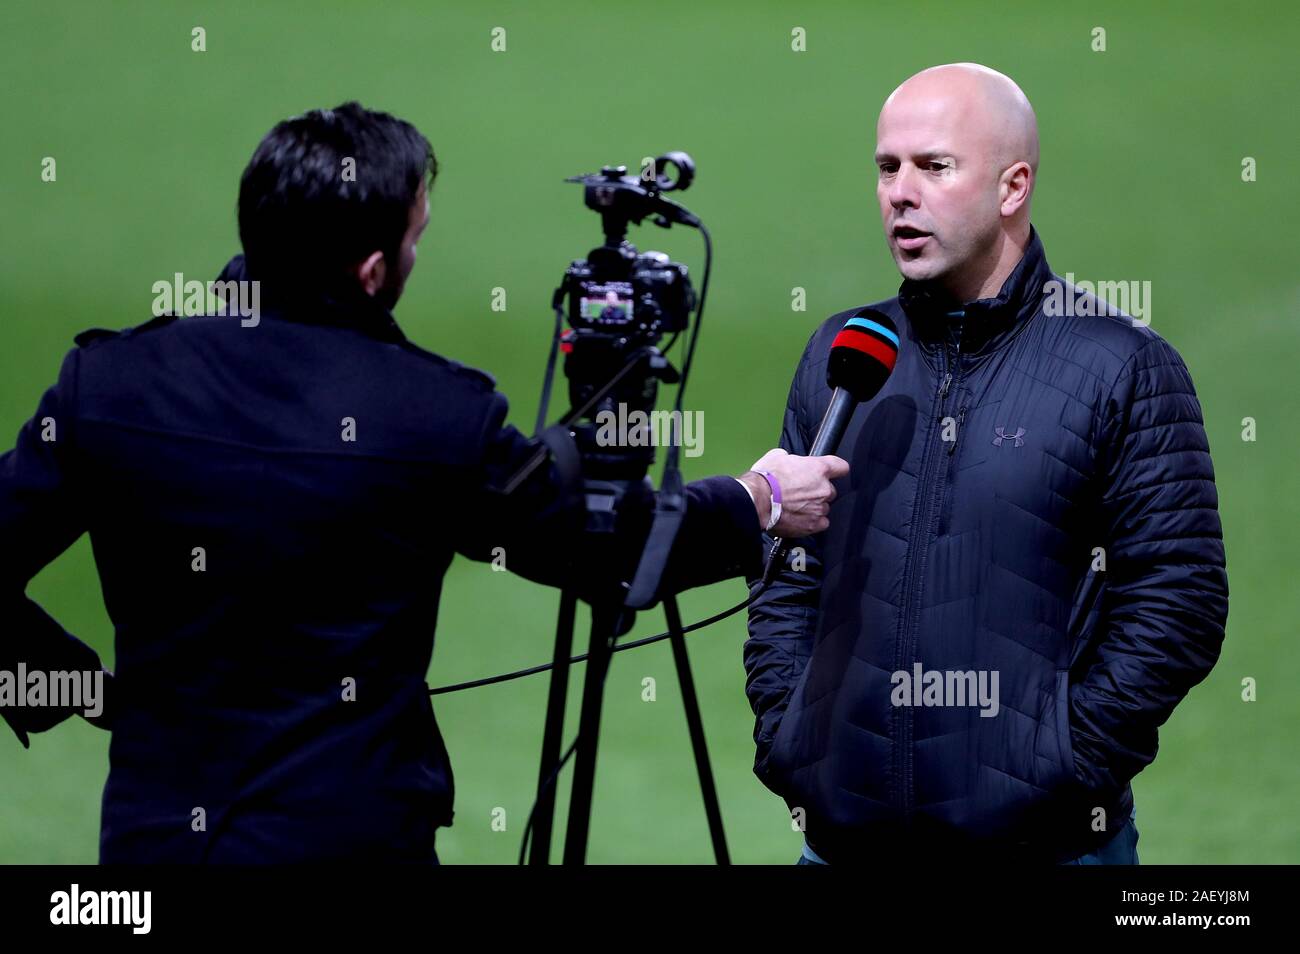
{"x":371,"y":273}
{"x":1015,"y":187}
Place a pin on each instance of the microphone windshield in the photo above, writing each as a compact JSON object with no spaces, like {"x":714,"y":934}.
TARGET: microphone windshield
{"x":863,"y":354}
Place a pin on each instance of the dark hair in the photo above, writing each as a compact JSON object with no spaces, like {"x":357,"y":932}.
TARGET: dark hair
{"x":303,"y":220}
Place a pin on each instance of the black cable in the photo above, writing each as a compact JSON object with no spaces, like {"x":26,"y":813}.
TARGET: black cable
{"x":699,"y":312}
{"x":550,"y":781}
{"x":545,"y":400}
{"x":674,"y":445}
{"x":582,"y":657}
{"x":540,"y":453}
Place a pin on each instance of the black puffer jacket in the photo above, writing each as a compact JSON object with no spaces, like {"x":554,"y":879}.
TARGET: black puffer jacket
{"x":1032,"y":498}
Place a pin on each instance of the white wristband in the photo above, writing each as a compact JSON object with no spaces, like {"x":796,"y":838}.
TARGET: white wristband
{"x":775,"y":485}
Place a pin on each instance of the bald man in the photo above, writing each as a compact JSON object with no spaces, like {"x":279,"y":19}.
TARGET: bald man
{"x":1024,"y":573}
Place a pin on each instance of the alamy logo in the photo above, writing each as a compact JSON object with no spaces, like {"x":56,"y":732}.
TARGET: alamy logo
{"x":241,"y":299}
{"x":638,"y":428}
{"x":1071,"y":299}
{"x":946,"y":687}
{"x":1002,"y":435}
{"x":36,"y":688}
{"x":133,"y":908}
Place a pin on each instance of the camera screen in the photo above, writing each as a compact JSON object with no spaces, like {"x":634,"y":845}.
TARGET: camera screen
{"x":607,"y":304}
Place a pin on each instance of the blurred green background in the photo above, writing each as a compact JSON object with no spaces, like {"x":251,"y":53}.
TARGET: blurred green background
{"x":1140,"y":179}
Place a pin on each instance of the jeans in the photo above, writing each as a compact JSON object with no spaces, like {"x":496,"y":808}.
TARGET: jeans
{"x":1120,"y":850}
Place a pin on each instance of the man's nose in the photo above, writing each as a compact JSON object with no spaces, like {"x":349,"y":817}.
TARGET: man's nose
{"x":902,"y":191}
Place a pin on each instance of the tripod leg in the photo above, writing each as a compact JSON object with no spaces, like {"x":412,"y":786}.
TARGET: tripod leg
{"x":695,"y":724}
{"x":604,"y":621}
{"x":544,"y":819}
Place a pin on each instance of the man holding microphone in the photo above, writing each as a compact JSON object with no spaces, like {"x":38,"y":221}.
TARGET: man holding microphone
{"x":273,"y":505}
{"x":1025,"y":573}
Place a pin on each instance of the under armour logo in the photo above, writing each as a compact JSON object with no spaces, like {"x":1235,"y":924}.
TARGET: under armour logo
{"x":1003,"y":436}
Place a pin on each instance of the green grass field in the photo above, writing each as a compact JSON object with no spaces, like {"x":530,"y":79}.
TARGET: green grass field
{"x":1142,"y":150}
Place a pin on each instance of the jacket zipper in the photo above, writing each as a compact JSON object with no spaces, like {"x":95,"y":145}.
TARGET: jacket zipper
{"x":922,"y":514}
{"x":961,"y":419}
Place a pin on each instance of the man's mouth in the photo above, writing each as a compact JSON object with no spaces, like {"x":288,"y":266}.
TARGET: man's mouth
{"x":910,"y":238}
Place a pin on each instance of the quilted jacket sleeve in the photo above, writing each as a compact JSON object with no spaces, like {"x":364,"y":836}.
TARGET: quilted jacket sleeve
{"x":783,"y":619}
{"x":1166,"y":599}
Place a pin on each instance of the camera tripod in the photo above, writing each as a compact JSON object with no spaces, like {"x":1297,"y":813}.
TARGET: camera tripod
{"x":609,"y":620}
{"x":620,"y":303}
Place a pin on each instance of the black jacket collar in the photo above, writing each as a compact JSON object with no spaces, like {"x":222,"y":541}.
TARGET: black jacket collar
{"x":339,"y":308}
{"x":988,"y":322}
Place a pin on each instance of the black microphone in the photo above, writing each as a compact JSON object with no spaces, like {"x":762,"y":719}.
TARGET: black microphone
{"x":862,"y":358}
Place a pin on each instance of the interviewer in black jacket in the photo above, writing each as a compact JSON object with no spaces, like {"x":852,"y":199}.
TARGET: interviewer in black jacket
{"x":273,"y":502}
